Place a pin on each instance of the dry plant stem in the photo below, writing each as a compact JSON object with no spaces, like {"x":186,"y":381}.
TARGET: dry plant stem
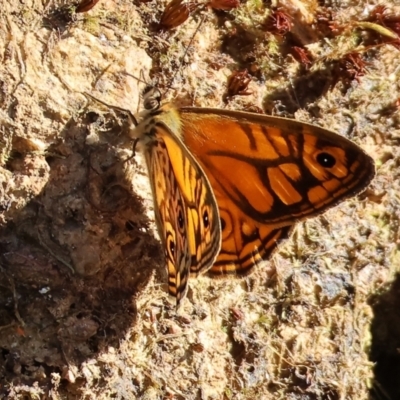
{"x":56,"y":256}
{"x":15,"y":297}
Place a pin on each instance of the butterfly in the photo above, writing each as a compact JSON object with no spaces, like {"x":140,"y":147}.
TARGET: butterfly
{"x":228,"y":186}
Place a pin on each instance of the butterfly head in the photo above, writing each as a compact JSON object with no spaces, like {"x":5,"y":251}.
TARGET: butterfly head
{"x":151,"y":98}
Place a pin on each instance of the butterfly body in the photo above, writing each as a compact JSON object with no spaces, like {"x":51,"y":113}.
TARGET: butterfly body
{"x":228,"y":186}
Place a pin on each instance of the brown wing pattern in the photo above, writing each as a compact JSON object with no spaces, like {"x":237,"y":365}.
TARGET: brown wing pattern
{"x":186,"y":210}
{"x":267,"y":173}
{"x":170,"y":213}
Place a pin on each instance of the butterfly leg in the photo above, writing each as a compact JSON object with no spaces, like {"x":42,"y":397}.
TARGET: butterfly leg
{"x":134,"y":145}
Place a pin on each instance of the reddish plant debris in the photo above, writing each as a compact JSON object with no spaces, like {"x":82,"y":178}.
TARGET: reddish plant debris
{"x":86,"y":5}
{"x":381,"y":21}
{"x":176,"y":13}
{"x":350,"y":67}
{"x":237,"y":313}
{"x":278,"y":22}
{"x":328,"y":25}
{"x":395,"y":43}
{"x":383,"y":16}
{"x":198,"y":347}
{"x":336,"y":28}
{"x":20,"y":331}
{"x":354,"y":65}
{"x":238,"y":83}
{"x":225,"y":5}
{"x":379,"y":13}
{"x":301,"y":55}
{"x":170,"y":396}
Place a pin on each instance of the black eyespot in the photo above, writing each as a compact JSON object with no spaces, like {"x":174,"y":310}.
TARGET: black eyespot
{"x":326,"y":160}
{"x":172,"y":248}
{"x":180,"y":219}
{"x":206,"y":220}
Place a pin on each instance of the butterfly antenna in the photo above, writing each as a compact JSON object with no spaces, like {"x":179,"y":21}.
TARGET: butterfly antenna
{"x":142,"y":78}
{"x":123,"y":110}
{"x":185,"y":53}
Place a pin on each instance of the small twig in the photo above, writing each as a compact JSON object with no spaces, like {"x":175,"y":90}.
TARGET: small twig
{"x":170,"y":336}
{"x":15,"y":297}
{"x":53,"y":254}
{"x":4,"y":327}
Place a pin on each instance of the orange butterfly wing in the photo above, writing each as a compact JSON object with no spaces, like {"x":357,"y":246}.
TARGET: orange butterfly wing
{"x":267,"y":173}
{"x":185,"y":209}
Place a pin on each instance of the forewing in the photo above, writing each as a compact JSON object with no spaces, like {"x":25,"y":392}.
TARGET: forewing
{"x":171,"y":217}
{"x":186,"y":210}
